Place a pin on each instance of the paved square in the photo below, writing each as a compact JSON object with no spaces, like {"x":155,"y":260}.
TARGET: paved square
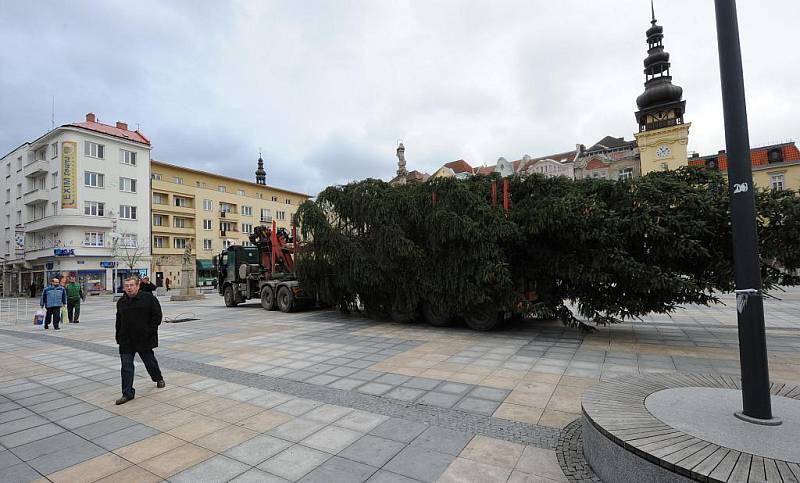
{"x":317,"y":396}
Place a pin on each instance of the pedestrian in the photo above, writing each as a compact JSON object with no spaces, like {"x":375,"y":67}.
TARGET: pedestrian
{"x":138,"y":318}
{"x":146,"y":285}
{"x":53,"y":298}
{"x":167,"y":283}
{"x":33,"y":289}
{"x":74,"y":297}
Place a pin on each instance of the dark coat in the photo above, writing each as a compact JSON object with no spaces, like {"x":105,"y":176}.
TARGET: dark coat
{"x":147,"y":287}
{"x":138,"y":319}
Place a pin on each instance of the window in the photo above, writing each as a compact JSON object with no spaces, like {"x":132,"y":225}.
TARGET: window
{"x":159,"y":241}
{"x":128,"y":185}
{"x":95,"y":180}
{"x":8,"y":170}
{"x":200,"y":184}
{"x":127,"y":212}
{"x":41,"y":154}
{"x":93,"y":208}
{"x":247,"y":228}
{"x":179,"y":242}
{"x":274,"y":198}
{"x":288,"y":201}
{"x":93,"y":150}
{"x":55,"y":207}
{"x":247,"y":210}
{"x":178,"y":180}
{"x":776,"y":180}
{"x":206,"y":244}
{"x":8,"y":195}
{"x":19,"y":189}
{"x":179,"y":222}
{"x":182,"y":202}
{"x":54,"y":150}
{"x":221,"y":189}
{"x":227,"y":208}
{"x":266,"y":214}
{"x":128,"y":240}
{"x":226,"y":226}
{"x":94,"y":239}
{"x":207,"y":205}
{"x":158,"y":220}
{"x":206,"y":224}
{"x":127,"y":157}
{"x":280,"y":215}
{"x":19,"y":217}
{"x":240,"y":192}
{"x":156,"y":176}
{"x":54,"y":178}
{"x":247,"y":243}
{"x":158,"y":199}
{"x":625,"y":173}
{"x":227,"y":243}
{"x":19,"y":162}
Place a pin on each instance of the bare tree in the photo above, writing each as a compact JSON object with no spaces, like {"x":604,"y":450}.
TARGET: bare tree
{"x":129,"y":249}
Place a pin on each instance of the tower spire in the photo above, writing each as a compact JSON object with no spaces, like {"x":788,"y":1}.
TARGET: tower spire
{"x":261,"y":174}
{"x":653,"y":12}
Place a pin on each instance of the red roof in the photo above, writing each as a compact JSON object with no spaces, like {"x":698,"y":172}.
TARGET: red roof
{"x":758,"y":156}
{"x":459,"y":166}
{"x":135,"y":136}
{"x":484,"y":170}
{"x":595,"y":163}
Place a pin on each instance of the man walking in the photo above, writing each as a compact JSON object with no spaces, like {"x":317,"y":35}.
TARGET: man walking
{"x":146,"y":285}
{"x":53,"y":298}
{"x":138,"y":318}
{"x":74,"y":297}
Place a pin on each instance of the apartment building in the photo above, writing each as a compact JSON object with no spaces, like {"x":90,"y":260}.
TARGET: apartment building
{"x":73,"y":204}
{"x":209,"y":212}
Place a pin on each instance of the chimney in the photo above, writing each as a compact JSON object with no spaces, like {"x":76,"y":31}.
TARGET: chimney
{"x":90,"y":117}
{"x":721,"y":152}
{"x":122,"y":125}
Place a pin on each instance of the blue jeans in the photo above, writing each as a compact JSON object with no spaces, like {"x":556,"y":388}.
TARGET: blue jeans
{"x":150,"y":363}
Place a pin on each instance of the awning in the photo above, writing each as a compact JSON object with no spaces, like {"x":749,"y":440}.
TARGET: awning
{"x":205,"y":265}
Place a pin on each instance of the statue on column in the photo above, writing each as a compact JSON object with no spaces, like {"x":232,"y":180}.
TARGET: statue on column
{"x":401,"y":164}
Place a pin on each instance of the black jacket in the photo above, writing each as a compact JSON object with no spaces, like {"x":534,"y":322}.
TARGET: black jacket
{"x":147,"y":287}
{"x":138,"y":319}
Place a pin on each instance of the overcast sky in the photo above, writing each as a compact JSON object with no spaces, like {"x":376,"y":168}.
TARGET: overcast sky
{"x":327,"y":88}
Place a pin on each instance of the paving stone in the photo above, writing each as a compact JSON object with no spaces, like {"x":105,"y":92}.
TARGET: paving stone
{"x":332,"y":439}
{"x":217,"y":468}
{"x":475,"y":405}
{"x":29,"y":435}
{"x":339,"y":470}
{"x":321,"y":379}
{"x":346,"y":384}
{"x":94,"y":430}
{"x":20,"y":473}
{"x":47,"y":445}
{"x":85,"y":418}
{"x":21,"y":423}
{"x":372,"y":450}
{"x":384,"y":476}
{"x":467,"y":470}
{"x":294,"y":462}
{"x":439,"y":399}
{"x":400,"y":430}
{"x":126,"y":436}
{"x":366,"y":375}
{"x":489,"y":393}
{"x":343,"y":371}
{"x":375,"y":388}
{"x":327,"y":413}
{"x":405,"y":394}
{"x":258,"y":449}
{"x":443,"y":440}
{"x":7,"y":458}
{"x":297,"y":407}
{"x":422,"y":383}
{"x":453,"y":388}
{"x":297,"y":429}
{"x":257,"y":476}
{"x":392,"y":379}
{"x":15,"y":414}
{"x":66,"y":457}
{"x":361,"y":421}
{"x":68,"y":411}
{"x":420,"y":463}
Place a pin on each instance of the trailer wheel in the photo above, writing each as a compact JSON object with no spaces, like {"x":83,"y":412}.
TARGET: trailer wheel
{"x":483,"y":317}
{"x":230,"y":297}
{"x":434,"y":316}
{"x":267,"y":298}
{"x":285,"y":299}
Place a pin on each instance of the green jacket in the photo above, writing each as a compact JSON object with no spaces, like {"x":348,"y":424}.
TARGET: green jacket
{"x":74,"y":292}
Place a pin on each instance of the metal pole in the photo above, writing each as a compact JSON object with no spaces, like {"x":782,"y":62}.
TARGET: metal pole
{"x":750,"y":308}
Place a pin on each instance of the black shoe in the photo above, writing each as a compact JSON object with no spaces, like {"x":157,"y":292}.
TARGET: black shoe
{"x":58,"y":328}
{"x":76,"y":322}
{"x":46,"y":327}
{"x":160,"y":384}
{"x":123,"y":400}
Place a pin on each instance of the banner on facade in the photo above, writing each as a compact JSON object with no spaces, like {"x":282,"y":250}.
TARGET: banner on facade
{"x":19,"y":240}
{"x":69,"y":174}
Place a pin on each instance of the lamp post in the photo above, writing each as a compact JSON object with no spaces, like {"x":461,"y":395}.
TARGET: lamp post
{"x":757,"y":406}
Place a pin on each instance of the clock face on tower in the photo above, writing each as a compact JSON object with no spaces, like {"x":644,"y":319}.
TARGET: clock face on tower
{"x":663,"y":151}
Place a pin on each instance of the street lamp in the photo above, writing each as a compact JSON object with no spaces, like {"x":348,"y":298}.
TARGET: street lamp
{"x":756,"y":403}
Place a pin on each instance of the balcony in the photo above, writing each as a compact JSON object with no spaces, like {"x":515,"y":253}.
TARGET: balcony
{"x":183,"y":230}
{"x":36,"y":168}
{"x":229,"y":215}
{"x":67,"y":220}
{"x":173,"y":210}
{"x":36,"y":196}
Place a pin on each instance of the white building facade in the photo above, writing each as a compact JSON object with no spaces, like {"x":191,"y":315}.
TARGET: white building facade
{"x":76,"y":202}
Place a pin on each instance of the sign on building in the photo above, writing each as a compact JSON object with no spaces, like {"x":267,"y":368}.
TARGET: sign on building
{"x":69,"y":176}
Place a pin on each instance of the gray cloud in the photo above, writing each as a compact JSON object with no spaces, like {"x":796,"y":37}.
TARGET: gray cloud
{"x":326,"y":88}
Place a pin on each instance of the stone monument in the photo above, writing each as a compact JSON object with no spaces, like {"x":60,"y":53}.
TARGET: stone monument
{"x":188,"y":291}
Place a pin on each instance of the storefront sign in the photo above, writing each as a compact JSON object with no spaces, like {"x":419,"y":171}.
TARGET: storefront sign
{"x":64,"y":252}
{"x":69,"y":174}
{"x":108,"y":264}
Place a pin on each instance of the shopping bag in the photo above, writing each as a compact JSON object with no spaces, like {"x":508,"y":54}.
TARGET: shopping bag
{"x":64,"y":314}
{"x":38,"y":317}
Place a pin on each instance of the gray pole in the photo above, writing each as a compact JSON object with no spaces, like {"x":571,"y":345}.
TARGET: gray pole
{"x":750,"y":308}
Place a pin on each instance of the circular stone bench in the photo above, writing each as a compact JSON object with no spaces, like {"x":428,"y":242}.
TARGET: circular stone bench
{"x":681,"y":427}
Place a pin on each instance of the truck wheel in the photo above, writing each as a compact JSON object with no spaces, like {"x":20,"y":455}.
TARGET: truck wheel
{"x":483,"y":317}
{"x":434,"y":316}
{"x":230,"y":298}
{"x":267,"y":298}
{"x":285,"y":299}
